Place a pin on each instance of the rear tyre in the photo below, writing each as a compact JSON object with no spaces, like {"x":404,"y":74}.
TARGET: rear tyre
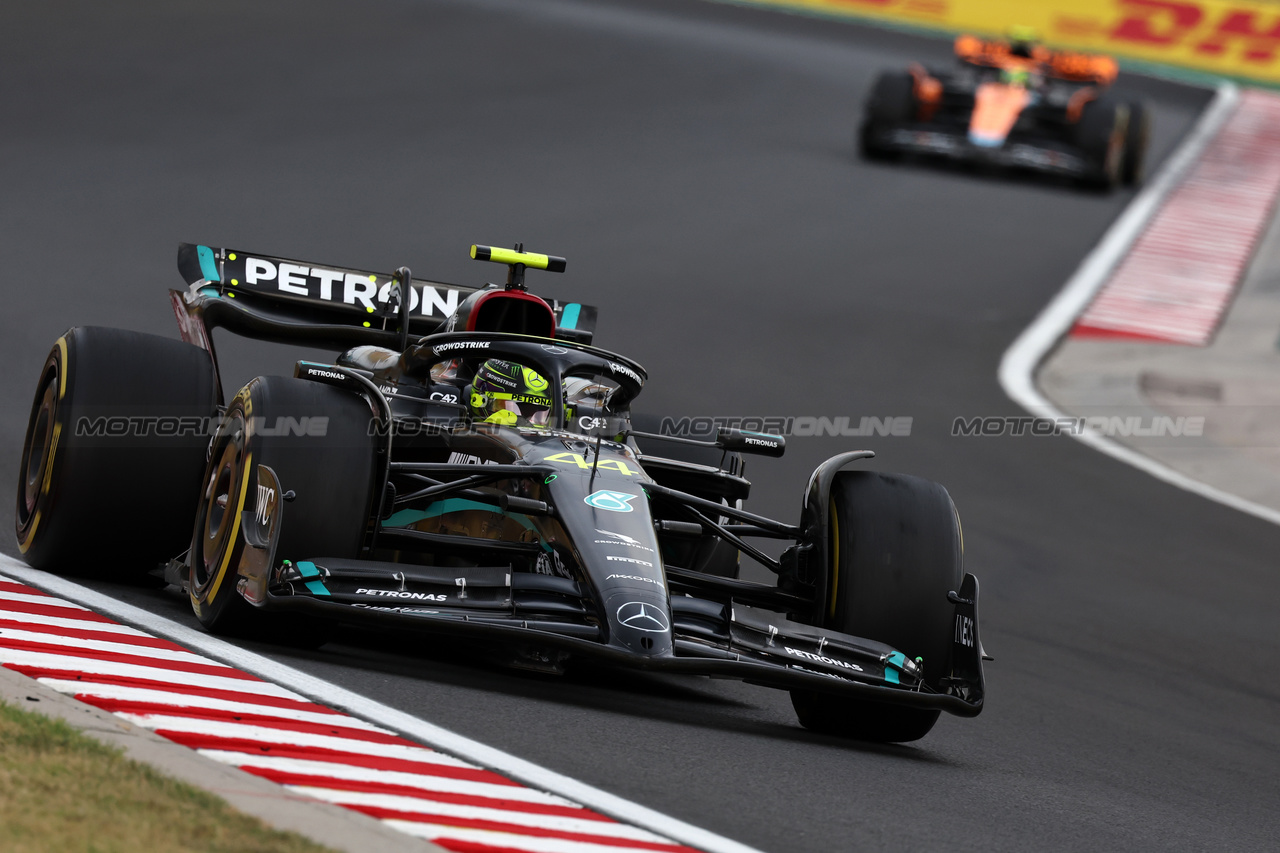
{"x":1136,"y":137}
{"x":112,"y":456}
{"x":1101,"y":134}
{"x":895,"y":548}
{"x":330,"y":472}
{"x":892,"y":103}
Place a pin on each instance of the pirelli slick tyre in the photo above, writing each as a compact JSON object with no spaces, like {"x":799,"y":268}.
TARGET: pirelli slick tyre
{"x":114,"y":447}
{"x":1136,"y":140}
{"x":316,"y":438}
{"x":896,"y":551}
{"x":891,"y":103}
{"x":1101,"y":134}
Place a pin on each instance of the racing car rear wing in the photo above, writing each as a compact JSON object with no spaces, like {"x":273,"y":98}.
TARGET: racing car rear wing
{"x":300,"y":293}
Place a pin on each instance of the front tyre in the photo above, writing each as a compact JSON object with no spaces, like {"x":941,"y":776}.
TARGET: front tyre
{"x":896,"y":551}
{"x":317,"y":440}
{"x":1136,"y":140}
{"x":113,"y":451}
{"x":891,"y":104}
{"x":1100,"y":135}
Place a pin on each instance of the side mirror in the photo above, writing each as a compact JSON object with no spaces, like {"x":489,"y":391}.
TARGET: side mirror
{"x":751,"y":442}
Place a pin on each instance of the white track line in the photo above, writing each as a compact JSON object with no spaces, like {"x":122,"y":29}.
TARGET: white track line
{"x":1018,"y":366}
{"x":375,"y":712}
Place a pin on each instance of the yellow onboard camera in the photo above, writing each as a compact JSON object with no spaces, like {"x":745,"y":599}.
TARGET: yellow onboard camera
{"x":517,"y":260}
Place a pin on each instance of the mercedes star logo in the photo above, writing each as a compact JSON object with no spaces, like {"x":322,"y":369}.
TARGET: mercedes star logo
{"x":643,"y":617}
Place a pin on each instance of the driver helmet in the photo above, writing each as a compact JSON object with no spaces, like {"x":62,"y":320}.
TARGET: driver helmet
{"x":1023,"y":41}
{"x":510,"y":394}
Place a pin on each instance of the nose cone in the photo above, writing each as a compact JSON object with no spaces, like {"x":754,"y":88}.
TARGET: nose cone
{"x":641,"y":622}
{"x":996,"y":107}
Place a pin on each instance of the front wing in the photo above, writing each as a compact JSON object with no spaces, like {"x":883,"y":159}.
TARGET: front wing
{"x":754,"y":645}
{"x":1042,"y":155}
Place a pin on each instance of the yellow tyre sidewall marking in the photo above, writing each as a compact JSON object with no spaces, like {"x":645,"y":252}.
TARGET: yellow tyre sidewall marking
{"x":235,"y":529}
{"x":62,"y":374}
{"x":24,"y":542}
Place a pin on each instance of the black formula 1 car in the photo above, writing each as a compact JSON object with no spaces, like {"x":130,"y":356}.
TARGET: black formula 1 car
{"x":469,"y":465}
{"x":1013,"y":104}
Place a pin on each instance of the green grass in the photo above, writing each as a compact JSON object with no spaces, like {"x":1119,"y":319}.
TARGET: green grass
{"x":61,"y":790}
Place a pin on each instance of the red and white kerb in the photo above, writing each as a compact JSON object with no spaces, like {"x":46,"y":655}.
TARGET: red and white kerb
{"x":238,"y":719}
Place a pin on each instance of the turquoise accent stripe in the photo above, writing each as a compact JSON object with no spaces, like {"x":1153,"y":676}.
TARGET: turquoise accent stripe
{"x":308,"y":569}
{"x":406,"y":517}
{"x":569,"y":320}
{"x":208,"y":265}
{"x":896,"y":659}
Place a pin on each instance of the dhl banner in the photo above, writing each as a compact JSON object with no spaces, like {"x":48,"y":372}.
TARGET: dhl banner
{"x":1234,"y":38}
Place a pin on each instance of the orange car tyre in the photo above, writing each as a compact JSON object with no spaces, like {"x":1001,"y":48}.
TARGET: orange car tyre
{"x":1101,"y":134}
{"x":891,"y":104}
{"x":1136,"y":138}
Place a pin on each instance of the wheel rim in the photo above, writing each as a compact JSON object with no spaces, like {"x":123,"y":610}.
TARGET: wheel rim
{"x":217,"y":507}
{"x":37,"y":449}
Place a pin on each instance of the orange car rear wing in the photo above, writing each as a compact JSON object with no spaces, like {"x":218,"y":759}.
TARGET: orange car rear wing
{"x":1069,"y":65}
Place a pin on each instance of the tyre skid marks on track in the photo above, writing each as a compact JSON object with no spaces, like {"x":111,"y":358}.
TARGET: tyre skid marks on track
{"x":235,"y":718}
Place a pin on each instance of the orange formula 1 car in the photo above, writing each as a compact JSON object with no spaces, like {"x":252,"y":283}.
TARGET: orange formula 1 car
{"x":1012,"y":103}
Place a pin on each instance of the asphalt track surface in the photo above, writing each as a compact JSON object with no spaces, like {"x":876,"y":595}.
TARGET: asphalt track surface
{"x":693,"y":161}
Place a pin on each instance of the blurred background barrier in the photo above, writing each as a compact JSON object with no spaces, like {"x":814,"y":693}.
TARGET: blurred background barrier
{"x":1232,"y":38}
